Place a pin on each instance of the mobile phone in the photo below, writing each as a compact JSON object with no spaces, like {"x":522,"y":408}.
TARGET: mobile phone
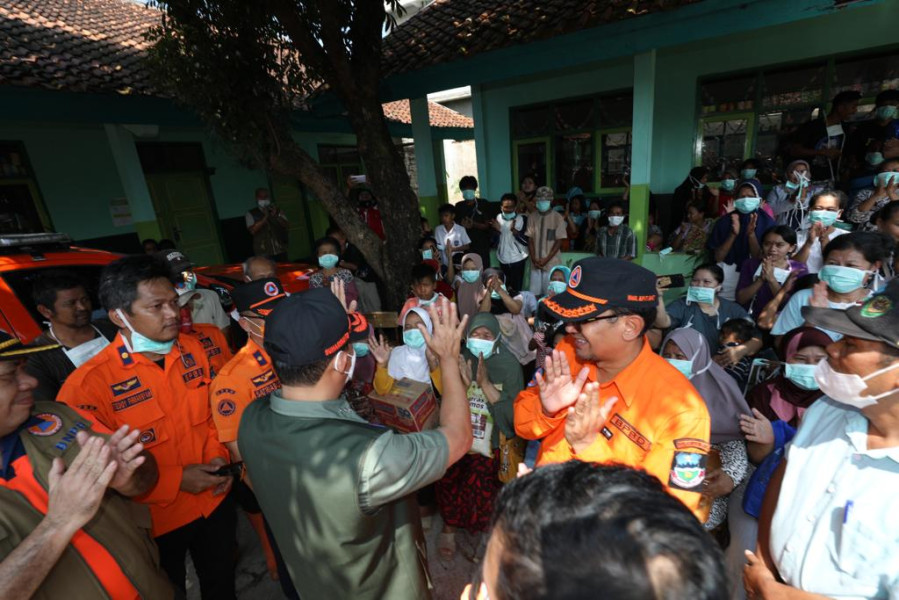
{"x":231,"y":469}
{"x":671,"y":281}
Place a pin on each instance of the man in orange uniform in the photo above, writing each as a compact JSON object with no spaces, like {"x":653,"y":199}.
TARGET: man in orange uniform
{"x":156,"y":380}
{"x":246,"y":378}
{"x":624,"y":404}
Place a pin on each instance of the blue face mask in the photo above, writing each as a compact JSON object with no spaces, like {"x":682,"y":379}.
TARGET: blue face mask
{"x":748,"y":205}
{"x":468,"y":194}
{"x":557,"y":287}
{"x":885,"y":113}
{"x":141,"y":343}
{"x":578,"y":219}
{"x":480,"y":347}
{"x":594,"y":214}
{"x":471,"y":276}
{"x":789,"y":185}
{"x":361,"y":349}
{"x":842,"y":279}
{"x":543,"y":205}
{"x":825,"y":217}
{"x":728,"y":184}
{"x":427,"y":254}
{"x":874,"y":158}
{"x":427,"y":302}
{"x":496,"y":295}
{"x":413,"y":338}
{"x":802,"y":375}
{"x":328,"y":261}
{"x":700,"y":294}
{"x":684,"y":366}
{"x":884,"y":179}
{"x":509,"y":216}
{"x":748,"y":173}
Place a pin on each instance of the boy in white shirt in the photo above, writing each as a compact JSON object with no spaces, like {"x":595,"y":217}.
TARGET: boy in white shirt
{"x":451,"y":238}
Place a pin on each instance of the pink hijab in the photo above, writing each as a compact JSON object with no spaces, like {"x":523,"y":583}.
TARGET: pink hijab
{"x":468,"y":295}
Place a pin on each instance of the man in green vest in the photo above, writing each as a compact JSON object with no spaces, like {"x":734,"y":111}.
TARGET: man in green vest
{"x":69,"y":530}
{"x":337,"y":491}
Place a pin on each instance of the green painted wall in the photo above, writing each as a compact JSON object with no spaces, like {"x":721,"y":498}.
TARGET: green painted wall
{"x":76,"y":175}
{"x":677,"y":72}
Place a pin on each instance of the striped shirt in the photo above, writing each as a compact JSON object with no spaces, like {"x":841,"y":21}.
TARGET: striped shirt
{"x":621,"y":244}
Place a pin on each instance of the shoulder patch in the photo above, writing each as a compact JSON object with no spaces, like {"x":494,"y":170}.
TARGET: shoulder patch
{"x":223,"y":391}
{"x":687,"y":471}
{"x":260,"y":358}
{"x":49,"y":424}
{"x":261,"y":380}
{"x":226,"y":408}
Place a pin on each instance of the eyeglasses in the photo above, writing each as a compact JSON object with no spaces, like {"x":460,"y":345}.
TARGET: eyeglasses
{"x":580,"y":324}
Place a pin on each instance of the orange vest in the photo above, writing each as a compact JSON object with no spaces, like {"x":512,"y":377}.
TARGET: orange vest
{"x":660,"y":424}
{"x":247,"y":377}
{"x":171,"y":409}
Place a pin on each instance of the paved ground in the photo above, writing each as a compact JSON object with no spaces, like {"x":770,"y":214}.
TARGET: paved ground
{"x":253,"y":582}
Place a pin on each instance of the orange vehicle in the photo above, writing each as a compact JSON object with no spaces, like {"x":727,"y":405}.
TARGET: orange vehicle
{"x":24,"y":256}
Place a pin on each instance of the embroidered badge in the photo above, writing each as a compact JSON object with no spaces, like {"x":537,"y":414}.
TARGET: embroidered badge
{"x":147,"y":436}
{"x":575,"y":279}
{"x":123,"y":387}
{"x":261,"y":380}
{"x":270,"y":289}
{"x":687,"y":471}
{"x":226,"y":408}
{"x":692,"y":443}
{"x":631,"y":432}
{"x":49,"y":425}
{"x":876,"y":307}
{"x":260,"y":358}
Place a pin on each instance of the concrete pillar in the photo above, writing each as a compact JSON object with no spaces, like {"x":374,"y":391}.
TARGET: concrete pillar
{"x":480,"y":142}
{"x":124,"y":152}
{"x":641,"y":145}
{"x":424,"y":159}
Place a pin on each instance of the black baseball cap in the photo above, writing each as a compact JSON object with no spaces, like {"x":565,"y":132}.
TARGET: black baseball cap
{"x":176,"y":261}
{"x":260,"y":296}
{"x":311,"y":326}
{"x":876,"y":319}
{"x":846,"y":96}
{"x":12,"y":348}
{"x":597,"y":284}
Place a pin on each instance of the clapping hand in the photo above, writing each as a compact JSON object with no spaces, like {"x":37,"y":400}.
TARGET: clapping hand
{"x":730,"y":207}
{"x":587,"y":417}
{"x":558,"y":389}
{"x":753,"y":220}
{"x":465,"y":371}
{"x":482,"y":378}
{"x":75,"y":493}
{"x":125,"y":450}
{"x":735,"y":223}
{"x":818,"y":298}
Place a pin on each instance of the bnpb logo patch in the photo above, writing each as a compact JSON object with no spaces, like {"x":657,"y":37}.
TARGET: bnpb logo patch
{"x":49,"y":424}
{"x":270,"y":289}
{"x":575,"y":278}
{"x":226,"y":408}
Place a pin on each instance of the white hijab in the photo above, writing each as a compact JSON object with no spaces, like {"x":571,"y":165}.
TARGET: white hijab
{"x":411,"y":363}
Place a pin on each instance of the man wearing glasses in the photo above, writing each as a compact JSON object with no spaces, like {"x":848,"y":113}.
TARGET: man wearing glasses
{"x":605,"y":396}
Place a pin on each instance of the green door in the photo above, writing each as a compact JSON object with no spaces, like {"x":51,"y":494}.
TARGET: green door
{"x":184,"y":211}
{"x":288,"y":195}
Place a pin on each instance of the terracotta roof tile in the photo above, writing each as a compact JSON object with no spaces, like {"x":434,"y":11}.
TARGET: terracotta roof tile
{"x":98,"y":46}
{"x":449,"y":30}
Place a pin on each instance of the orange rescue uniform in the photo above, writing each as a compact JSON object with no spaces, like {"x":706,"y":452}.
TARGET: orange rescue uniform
{"x":247,"y":377}
{"x":660,"y":424}
{"x":170,"y":406}
{"x":215,"y":344}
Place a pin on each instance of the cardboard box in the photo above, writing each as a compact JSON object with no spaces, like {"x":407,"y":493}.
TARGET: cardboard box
{"x":409,"y":406}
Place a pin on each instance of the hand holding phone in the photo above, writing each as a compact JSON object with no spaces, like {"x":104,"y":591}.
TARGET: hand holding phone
{"x":234,"y":469}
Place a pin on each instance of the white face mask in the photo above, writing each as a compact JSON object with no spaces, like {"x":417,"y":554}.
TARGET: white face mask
{"x":349,"y":372}
{"x":263,"y":203}
{"x":846,"y":388}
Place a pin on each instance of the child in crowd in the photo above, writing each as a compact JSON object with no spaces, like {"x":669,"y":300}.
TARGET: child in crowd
{"x":616,"y":240}
{"x":424,"y":289}
{"x":451,"y":238}
{"x":733,"y":333}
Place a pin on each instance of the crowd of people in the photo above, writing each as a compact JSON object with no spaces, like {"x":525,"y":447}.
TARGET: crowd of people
{"x":738,"y":441}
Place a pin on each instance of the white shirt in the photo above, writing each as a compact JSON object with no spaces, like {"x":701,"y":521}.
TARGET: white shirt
{"x":791,"y":316}
{"x":509,"y":250}
{"x":815,"y":259}
{"x":208,"y":309}
{"x":835,"y":531}
{"x":457,"y":235}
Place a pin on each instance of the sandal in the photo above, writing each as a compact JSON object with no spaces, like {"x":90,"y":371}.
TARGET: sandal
{"x":446,"y":545}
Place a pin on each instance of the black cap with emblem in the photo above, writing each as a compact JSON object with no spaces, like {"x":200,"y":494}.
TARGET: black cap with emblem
{"x":311,"y":326}
{"x":597,"y":284}
{"x":260,"y":296}
{"x":876,"y":319}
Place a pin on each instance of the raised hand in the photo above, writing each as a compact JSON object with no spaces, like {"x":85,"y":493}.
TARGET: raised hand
{"x":753,"y":220}
{"x":730,"y":207}
{"x":380,"y":349}
{"x":465,"y":371}
{"x":757,"y":428}
{"x":816,"y":231}
{"x":482,"y":377}
{"x":75,"y":493}
{"x":587,"y":417}
{"x":338,"y":288}
{"x":448,"y":329}
{"x":558,"y":389}
{"x":768,"y":270}
{"x":818,"y":298}
{"x":735,"y":223}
